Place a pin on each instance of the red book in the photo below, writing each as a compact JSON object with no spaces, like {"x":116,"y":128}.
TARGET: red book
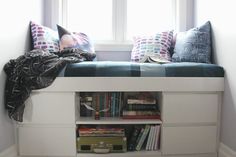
{"x":109,"y":104}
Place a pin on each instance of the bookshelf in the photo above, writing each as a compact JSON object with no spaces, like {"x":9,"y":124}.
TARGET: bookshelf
{"x":116,"y":104}
{"x":189,"y":120}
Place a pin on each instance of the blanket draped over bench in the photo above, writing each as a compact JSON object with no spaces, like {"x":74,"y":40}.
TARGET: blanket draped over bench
{"x":35,"y":70}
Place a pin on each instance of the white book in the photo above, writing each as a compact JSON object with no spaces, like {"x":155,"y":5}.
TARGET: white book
{"x":151,"y":141}
{"x":149,"y":138}
{"x":153,"y":137}
{"x":156,"y":143}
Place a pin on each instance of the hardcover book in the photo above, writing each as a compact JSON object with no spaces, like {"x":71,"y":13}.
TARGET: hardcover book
{"x":143,"y":137}
{"x":132,"y":140}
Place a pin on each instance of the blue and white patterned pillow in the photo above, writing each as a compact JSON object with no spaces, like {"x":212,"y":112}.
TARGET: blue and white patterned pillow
{"x":194,"y":45}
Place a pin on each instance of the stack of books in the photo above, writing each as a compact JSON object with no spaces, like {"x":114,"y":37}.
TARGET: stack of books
{"x":141,"y":108}
{"x":146,"y":137}
{"x":101,"y":132}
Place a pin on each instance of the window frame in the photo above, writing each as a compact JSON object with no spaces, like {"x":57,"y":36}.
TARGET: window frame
{"x":119,"y":25}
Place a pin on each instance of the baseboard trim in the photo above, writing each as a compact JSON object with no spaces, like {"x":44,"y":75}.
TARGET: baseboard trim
{"x":225,"y":151}
{"x":9,"y":152}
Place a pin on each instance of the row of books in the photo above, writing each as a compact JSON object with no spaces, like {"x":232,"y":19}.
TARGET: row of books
{"x":108,"y":104}
{"x":140,"y":105}
{"x":146,"y":137}
{"x":153,"y":138}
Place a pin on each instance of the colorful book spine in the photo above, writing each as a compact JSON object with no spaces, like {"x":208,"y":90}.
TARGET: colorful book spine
{"x":101,"y":104}
{"x":117,"y":101}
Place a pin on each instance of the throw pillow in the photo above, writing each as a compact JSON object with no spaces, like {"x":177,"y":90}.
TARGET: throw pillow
{"x":44,"y":37}
{"x":194,"y":45}
{"x":74,"y":40}
{"x":156,"y":46}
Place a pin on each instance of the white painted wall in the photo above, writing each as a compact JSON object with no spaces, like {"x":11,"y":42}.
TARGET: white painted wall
{"x":15,"y":16}
{"x":222,"y":13}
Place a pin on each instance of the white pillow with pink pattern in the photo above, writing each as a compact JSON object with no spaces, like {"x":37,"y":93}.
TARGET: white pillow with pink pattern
{"x":44,"y":38}
{"x":155,"y":46}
